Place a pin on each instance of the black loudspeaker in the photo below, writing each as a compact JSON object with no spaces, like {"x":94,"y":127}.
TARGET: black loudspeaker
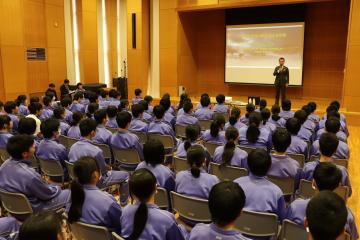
{"x":121,"y":85}
{"x":254,"y":100}
{"x":133,"y":27}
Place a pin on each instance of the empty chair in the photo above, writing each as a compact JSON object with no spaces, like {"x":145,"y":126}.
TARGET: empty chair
{"x":226,"y":115}
{"x":70,"y":168}
{"x":15,"y":203}
{"x":106,"y":150}
{"x":211,"y":147}
{"x":300,"y":158}
{"x":141,"y":135}
{"x":127,"y":157}
{"x":287,"y":185}
{"x":116,"y":237}
{"x":257,"y":224}
{"x":180,"y":164}
{"x":166,"y":140}
{"x":229,"y":173}
{"x":161,"y":198}
{"x":247,"y":149}
{"x":205,"y":124}
{"x":291,"y":230}
{"x":83,"y":231}
{"x":52,"y":168}
{"x":180,"y":131}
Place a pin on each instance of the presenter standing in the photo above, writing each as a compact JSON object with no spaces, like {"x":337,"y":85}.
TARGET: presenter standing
{"x":281,"y":74}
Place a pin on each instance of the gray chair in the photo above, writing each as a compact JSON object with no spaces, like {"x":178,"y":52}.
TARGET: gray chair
{"x":291,"y":230}
{"x":226,"y":115}
{"x":287,"y":185}
{"x":105,"y":149}
{"x":180,"y":164}
{"x":112,"y":130}
{"x":161,"y":198}
{"x":52,"y":168}
{"x":180,"y":131}
{"x":15,"y":203}
{"x":166,"y":140}
{"x":306,"y":190}
{"x":300,"y":158}
{"x":313,"y":158}
{"x":257,"y":224}
{"x":342,"y":162}
{"x":70,"y":168}
{"x":190,"y":208}
{"x":116,"y":237}
{"x":83,"y":231}
{"x":128,"y":157}
{"x":67,"y":141}
{"x":211,"y":147}
{"x":205,"y":124}
{"x":3,"y":155}
{"x":142,"y":136}
{"x":227,"y":173}
{"x":34,"y":162}
{"x":247,"y":149}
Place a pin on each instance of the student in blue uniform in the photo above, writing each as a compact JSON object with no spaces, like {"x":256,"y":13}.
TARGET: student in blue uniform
{"x":335,"y":105}
{"x":102,"y":134}
{"x":187,"y":117}
{"x":313,"y":116}
{"x":66,"y":103}
{"x":5,"y":130}
{"x":146,"y":115}
{"x":76,"y":105}
{"x":195,"y":182}
{"x":74,"y":130}
{"x":216,"y":133}
{"x":261,"y":194}
{"x":183,"y":97}
{"x":275,"y":118}
{"x":191,"y":138}
{"x":282,"y":165}
{"x":9,"y":228}
{"x":168,"y":116}
{"x":198,"y":106}
{"x":124,"y":106}
{"x":249,"y":109}
{"x":332,"y":125}
{"x":59,"y":114}
{"x":262,"y":105}
{"x":226,"y":201}
{"x":114,"y":98}
{"x":159,"y":126}
{"x":144,"y":220}
{"x":298,"y":145}
{"x":171,"y":108}
{"x":111,"y":112}
{"x":331,"y":112}
{"x":234,"y":119}
{"x":17,"y":176}
{"x":28,"y":126}
{"x":326,"y":177}
{"x":137,"y":97}
{"x":104,"y":99}
{"x":35,"y":110}
{"x":204,"y":112}
{"x":91,"y":109}
{"x":88,"y":203}
{"x":220,"y":106}
{"x":47,"y":111}
{"x":265,"y":115}
{"x":137,"y":123}
{"x":286,"y":112}
{"x":22,"y":105}
{"x":230,"y":154}
{"x":11,"y":110}
{"x":149,"y":100}
{"x":85,"y":148}
{"x":154,"y":154}
{"x":303,"y":133}
{"x":308,"y":124}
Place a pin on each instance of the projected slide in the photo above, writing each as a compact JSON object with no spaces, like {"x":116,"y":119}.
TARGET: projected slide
{"x":253,"y":51}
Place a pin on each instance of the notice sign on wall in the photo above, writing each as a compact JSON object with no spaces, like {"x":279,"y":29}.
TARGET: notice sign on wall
{"x":36,"y":54}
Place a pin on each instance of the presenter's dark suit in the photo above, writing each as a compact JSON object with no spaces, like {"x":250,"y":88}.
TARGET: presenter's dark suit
{"x":64,"y":91}
{"x":281,"y":79}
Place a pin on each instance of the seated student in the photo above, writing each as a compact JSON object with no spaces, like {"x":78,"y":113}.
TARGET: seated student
{"x":9,"y":228}
{"x":114,"y":98}
{"x":104,"y":99}
{"x":168,"y":116}
{"x":342,"y":151}
{"x":332,"y":125}
{"x":195,"y":182}
{"x":154,"y":154}
{"x":159,"y":126}
{"x":111,"y":112}
{"x":328,"y":144}
{"x":181,"y":110}
{"x":205,"y":112}
{"x":275,"y":118}
{"x":123,"y":139}
{"x":216,"y":133}
{"x":192,"y":133}
{"x":282,"y":165}
{"x":172,"y":108}
{"x":80,"y":87}
{"x":74,"y":130}
{"x":5,"y":130}
{"x":261,"y":194}
{"x":84,"y":148}
{"x":34,"y":99}
{"x":183,"y":98}
{"x":40,"y":194}
{"x":91,"y":109}
{"x":22,"y":105}
{"x":11,"y":110}
{"x":76,"y":105}
{"x":262,"y":105}
{"x":52,"y":90}
{"x":226,"y":201}
{"x":187,"y":117}
{"x":230,"y":154}
{"x":265,"y":115}
{"x":124,"y":106}
{"x":234,"y":119}
{"x":326,"y":216}
{"x":298,"y":145}
{"x":326,"y":177}
{"x":308,"y":124}
{"x":144,"y":220}
{"x":47,"y":111}
{"x":27,"y":126}
{"x":146,"y":115}
{"x":89,"y":204}
{"x":335,"y":105}
{"x":137,"y":97}
{"x":313,"y":116}
{"x":137,"y":123}
{"x":35,"y":109}
{"x":331,"y":112}
{"x":59,"y":114}
{"x":249,"y":109}
{"x":286,"y":112}
{"x":66,"y":103}
{"x":102,"y":134}
{"x":199,"y":106}
{"x":253,"y":136}
{"x":220,"y":106}
{"x":149,"y":100}
{"x":303,"y":133}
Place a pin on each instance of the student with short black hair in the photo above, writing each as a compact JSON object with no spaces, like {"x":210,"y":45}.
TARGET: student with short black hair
{"x":59,"y":114}
{"x":159,"y":126}
{"x":303,"y":133}
{"x":286,"y":112}
{"x":79,"y":87}
{"x":22,"y":105}
{"x":111,"y":112}
{"x":66,"y":103}
{"x":204,"y":112}
{"x":216,"y":133}
{"x":261,"y":194}
{"x":11,"y":110}
{"x":144,"y":220}
{"x":91,"y":109}
{"x":41,"y":195}
{"x":137,"y":97}
{"x":137,"y":123}
{"x":76,"y":105}
{"x":331,"y":112}
{"x":234,"y":119}
{"x":220,"y":106}
{"x":102,"y":134}
{"x":198,"y":106}
{"x":298,"y":145}
{"x":28,"y":126}
{"x":192,"y":133}
{"x":308,"y":124}
{"x":275,"y":118}
{"x":114,"y":98}
{"x":226,"y":201}
{"x":146,"y":115}
{"x":124,"y":106}
{"x":52,"y":90}
{"x":187,"y":117}
{"x":313,"y":116}
{"x":34,"y":99}
{"x":35,"y":109}
{"x":5,"y":130}
{"x":335,"y":105}
{"x":47,"y":111}
{"x":249,"y":109}
{"x":149,"y":100}
{"x":104,"y":99}
{"x":332,"y":125}
{"x":74,"y":130}
{"x":195,"y":182}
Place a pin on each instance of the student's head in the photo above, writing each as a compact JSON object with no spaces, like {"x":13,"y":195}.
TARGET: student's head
{"x":50,"y":128}
{"x":293,"y":126}
{"x":45,"y":225}
{"x":265,"y":115}
{"x":79,"y":86}
{"x":5,"y":123}
{"x":92,"y":107}
{"x":312,"y":106}
{"x":27,"y":126}
{"x":217,"y":125}
{"x":78,"y":96}
{"x":123,"y":120}
{"x":231,"y":135}
{"x":10,"y":107}
{"x":59,"y":113}
{"x":87,"y":172}
{"x":47,"y":101}
{"x":88,"y":127}
{"x":104,"y":94}
{"x":35,"y":108}
{"x":286,"y":105}
{"x":192,"y":134}
{"x":226,"y":201}
{"x":21,"y":99}
{"x":138,"y":92}
{"x":111,"y":111}
{"x":93,"y":97}
{"x":205,"y":100}
{"x":66,"y":82}
{"x":234,"y":116}
{"x":159,"y":112}
{"x":20,"y":147}
{"x":253,"y":132}
{"x":165,"y":102}
{"x":124,"y":104}
{"x":301,"y":115}
{"x":307,"y":109}
{"x":328,"y":144}
{"x":52,"y":86}
{"x":249,"y":109}
{"x":183,"y":97}
{"x":326,"y":216}
{"x":281,"y":140}
{"x":220,"y":99}
{"x":336,"y":104}
{"x":100,"y":116}
{"x":34,"y":99}
{"x":137,"y":110}
{"x":275,"y":109}
{"x":154,"y":152}
{"x":259,"y":162}
{"x":114,"y":94}
{"x":281,"y":61}
{"x":188,"y":107}
{"x":144,"y":104}
{"x":262,"y":103}
{"x":142,"y":187}
{"x":51,"y":95}
{"x":333,"y":114}
{"x":66,"y":102}
{"x":76,"y":118}
{"x":332,"y":125}
{"x":148,"y":99}
{"x":195,"y":157}
{"x":327,"y":176}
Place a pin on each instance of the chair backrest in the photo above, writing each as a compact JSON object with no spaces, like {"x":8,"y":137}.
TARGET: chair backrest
{"x":211,"y":147}
{"x":71,"y":141}
{"x":166,"y":140}
{"x":291,"y":230}
{"x":205,"y":124}
{"x":257,"y":224}
{"x":287,"y":185}
{"x":15,"y":203}
{"x":342,"y":162}
{"x":226,"y":115}
{"x":63,"y":140}
{"x":83,"y":231}
{"x":105,"y":149}
{"x":116,"y":237}
{"x":180,"y":164}
{"x":190,"y":208}
{"x":180,"y":131}
{"x":161,"y":198}
{"x":70,"y":168}
{"x":247,"y":149}
{"x":306,"y":190}
{"x":313,"y":158}
{"x":142,"y":136}
{"x":51,"y":168}
{"x":343,"y":192}
{"x":3,"y":155}
{"x":300,"y":158}
{"x":126,"y":156}
{"x":112,"y":130}
{"x":228,"y":173}
{"x":34,"y":162}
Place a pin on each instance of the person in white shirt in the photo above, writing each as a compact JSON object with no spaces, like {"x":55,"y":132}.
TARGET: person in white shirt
{"x":35,"y":109}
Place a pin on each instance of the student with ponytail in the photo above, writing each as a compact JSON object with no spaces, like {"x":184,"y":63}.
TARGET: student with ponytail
{"x":265,"y":115}
{"x":195,"y":182}
{"x":144,"y":220}
{"x":275,"y":118}
{"x":249,"y":109}
{"x":192,"y":134}
{"x":230,"y":154}
{"x":234,"y":120}
{"x":216,"y":133}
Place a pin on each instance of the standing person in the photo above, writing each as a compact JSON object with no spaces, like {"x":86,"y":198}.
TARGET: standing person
{"x":281,"y":74}
{"x":52,"y":90}
{"x":65,"y":89}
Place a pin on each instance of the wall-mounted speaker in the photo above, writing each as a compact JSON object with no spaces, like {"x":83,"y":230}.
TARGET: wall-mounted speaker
{"x":133,"y":27}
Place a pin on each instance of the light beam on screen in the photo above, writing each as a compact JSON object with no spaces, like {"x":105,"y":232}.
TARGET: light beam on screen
{"x":105,"y":44}
{"x":118,"y":37}
{"x":76,"y":43}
